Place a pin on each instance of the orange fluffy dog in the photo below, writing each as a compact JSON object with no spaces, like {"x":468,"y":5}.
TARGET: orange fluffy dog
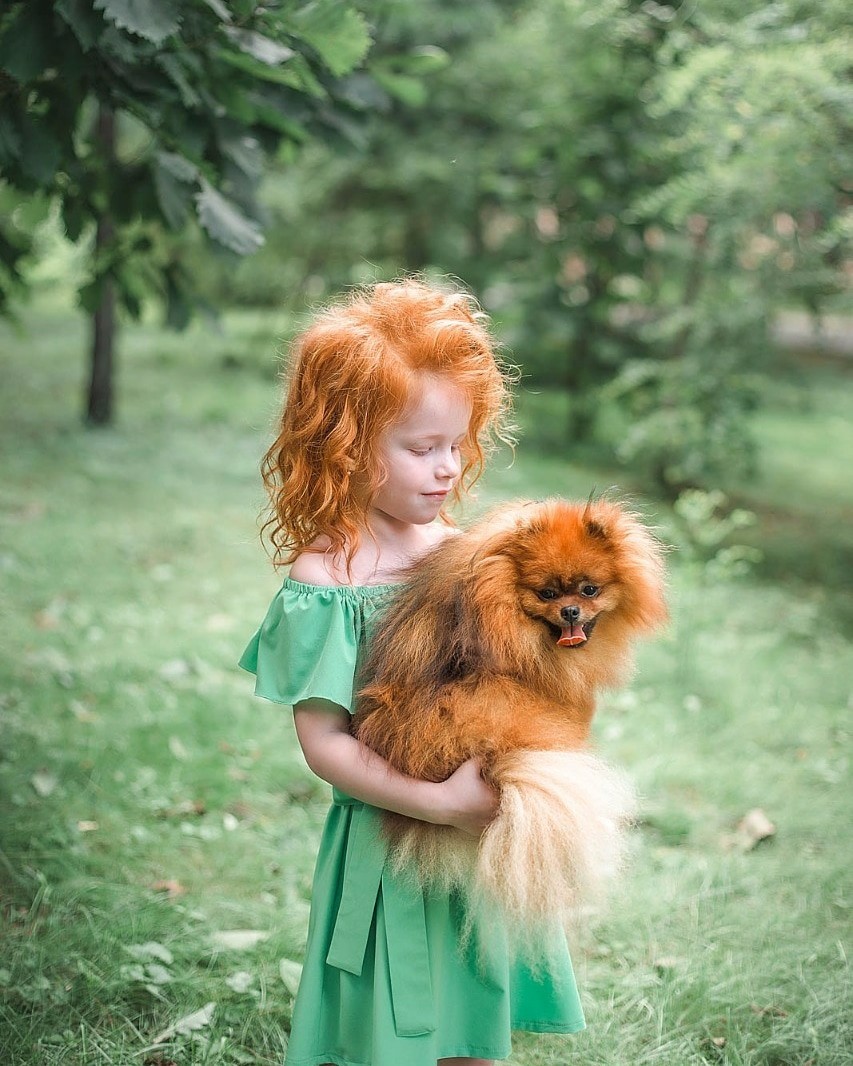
{"x":496,"y":648}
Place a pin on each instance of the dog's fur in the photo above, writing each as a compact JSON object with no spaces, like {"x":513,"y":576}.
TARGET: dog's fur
{"x":467,"y":663}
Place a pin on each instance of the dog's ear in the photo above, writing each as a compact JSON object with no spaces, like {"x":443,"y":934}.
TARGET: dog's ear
{"x":593,"y":518}
{"x":595,"y":529}
{"x":502,"y":535}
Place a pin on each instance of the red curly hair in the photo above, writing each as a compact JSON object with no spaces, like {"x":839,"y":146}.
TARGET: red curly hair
{"x":352,"y":374}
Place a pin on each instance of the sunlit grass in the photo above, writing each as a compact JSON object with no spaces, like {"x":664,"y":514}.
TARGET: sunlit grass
{"x":149,"y":799}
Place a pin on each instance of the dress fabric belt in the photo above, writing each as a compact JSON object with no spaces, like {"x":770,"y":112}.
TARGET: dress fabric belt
{"x":367,"y":874}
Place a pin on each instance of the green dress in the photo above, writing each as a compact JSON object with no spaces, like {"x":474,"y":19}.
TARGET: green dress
{"x":385,"y":982}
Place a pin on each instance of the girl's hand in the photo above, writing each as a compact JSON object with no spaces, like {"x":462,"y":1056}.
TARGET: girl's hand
{"x":471,"y":803}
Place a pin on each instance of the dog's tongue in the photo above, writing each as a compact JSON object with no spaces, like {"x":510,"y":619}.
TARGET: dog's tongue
{"x":571,"y":636}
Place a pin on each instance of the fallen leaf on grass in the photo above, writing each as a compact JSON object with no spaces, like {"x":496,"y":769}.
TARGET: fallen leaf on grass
{"x":182,"y":809}
{"x":290,"y":973}
{"x":237,"y":939}
{"x":190,"y":1023}
{"x":171,"y":888}
{"x":176,"y":747}
{"x":81,"y":712}
{"x":241,"y":981}
{"x":174,"y":670}
{"x":754,"y":827}
{"x":151,"y":949}
{"x":44,"y":782}
{"x":768,"y":1012}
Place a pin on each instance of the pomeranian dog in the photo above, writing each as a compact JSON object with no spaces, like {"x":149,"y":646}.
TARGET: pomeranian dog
{"x":496,"y":648}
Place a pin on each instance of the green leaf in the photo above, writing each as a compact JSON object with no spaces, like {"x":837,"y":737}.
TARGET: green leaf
{"x":220,"y":8}
{"x":264,"y":49}
{"x":420,"y":61}
{"x":179,"y":167}
{"x":155,"y":20}
{"x":426,"y":60}
{"x":25,"y":42}
{"x":283,"y":75}
{"x":338,"y":33}
{"x":178,"y":307}
{"x":272,"y":111}
{"x":10,"y":141}
{"x":86,"y":25}
{"x":40,"y":150}
{"x":89,"y":295}
{"x":131,"y":289}
{"x":115,"y":43}
{"x":410,"y":91}
{"x":25,"y":212}
{"x":244,"y":151}
{"x":174,"y":195}
{"x":178,"y":76}
{"x":226,"y":223}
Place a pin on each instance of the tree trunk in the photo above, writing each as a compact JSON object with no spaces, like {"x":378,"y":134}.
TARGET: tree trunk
{"x":99,"y":409}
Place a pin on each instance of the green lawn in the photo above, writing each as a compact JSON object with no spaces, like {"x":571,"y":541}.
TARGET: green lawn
{"x":151,"y":804}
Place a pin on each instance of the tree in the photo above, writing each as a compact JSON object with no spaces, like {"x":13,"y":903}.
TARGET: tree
{"x":144,"y":118}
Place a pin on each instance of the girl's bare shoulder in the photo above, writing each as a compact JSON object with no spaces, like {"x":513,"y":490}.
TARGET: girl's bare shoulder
{"x":312,"y":566}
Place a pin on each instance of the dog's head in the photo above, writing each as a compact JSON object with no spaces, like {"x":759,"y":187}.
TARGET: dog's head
{"x":569,"y":568}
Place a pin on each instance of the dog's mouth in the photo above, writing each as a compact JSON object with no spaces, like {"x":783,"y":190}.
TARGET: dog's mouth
{"x":572,"y":636}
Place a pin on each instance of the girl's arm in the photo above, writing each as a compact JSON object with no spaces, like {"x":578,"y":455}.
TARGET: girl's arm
{"x":464,"y":800}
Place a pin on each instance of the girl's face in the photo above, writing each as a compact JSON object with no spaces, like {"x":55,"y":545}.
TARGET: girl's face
{"x":421,"y":453}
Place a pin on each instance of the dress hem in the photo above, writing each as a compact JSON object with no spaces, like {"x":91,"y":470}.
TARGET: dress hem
{"x":498,"y":1054}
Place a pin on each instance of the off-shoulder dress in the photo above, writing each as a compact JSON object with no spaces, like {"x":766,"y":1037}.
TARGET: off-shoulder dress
{"x":385,"y":981}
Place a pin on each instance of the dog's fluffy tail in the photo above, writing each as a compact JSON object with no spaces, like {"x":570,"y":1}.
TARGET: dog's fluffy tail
{"x":558,"y":837}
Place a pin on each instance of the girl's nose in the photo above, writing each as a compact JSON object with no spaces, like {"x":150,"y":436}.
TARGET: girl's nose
{"x":449,"y":464}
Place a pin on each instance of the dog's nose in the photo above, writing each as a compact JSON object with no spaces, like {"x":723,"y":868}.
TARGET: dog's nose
{"x":570,"y":614}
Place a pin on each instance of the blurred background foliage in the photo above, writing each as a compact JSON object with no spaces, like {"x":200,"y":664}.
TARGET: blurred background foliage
{"x":634,"y":190}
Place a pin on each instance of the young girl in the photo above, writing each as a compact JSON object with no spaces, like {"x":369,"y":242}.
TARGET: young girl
{"x":394,"y":398}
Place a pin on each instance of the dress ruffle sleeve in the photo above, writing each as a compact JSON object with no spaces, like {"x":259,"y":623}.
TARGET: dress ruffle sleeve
{"x":308,"y":644}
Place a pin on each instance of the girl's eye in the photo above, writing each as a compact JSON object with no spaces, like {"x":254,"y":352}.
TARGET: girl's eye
{"x":590,"y":590}
{"x":419,"y":451}
{"x":547,"y":594}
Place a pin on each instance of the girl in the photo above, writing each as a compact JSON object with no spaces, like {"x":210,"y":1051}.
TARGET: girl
{"x":394,"y":398}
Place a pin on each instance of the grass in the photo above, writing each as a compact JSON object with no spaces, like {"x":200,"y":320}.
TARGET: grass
{"x":150,"y":803}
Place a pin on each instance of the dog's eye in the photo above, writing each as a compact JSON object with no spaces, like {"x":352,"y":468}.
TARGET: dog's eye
{"x":590,"y":590}
{"x":547,"y":594}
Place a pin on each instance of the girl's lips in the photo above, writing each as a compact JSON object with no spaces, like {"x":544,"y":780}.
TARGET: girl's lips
{"x":437,"y":495}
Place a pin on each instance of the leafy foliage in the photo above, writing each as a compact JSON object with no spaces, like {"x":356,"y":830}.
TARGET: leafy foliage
{"x":632,"y":188}
{"x":203,"y":92}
